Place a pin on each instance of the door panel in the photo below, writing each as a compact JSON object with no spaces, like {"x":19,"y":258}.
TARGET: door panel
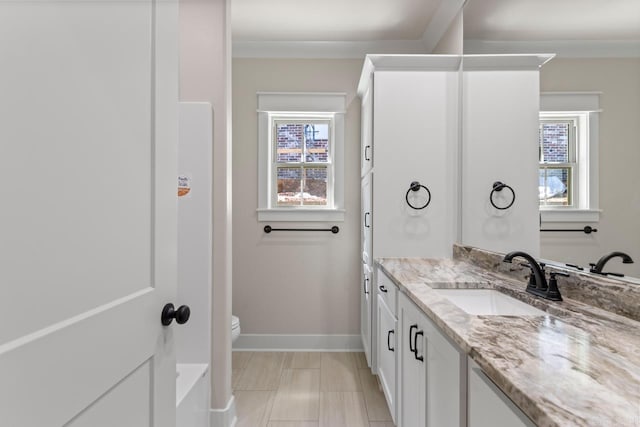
{"x":71,"y":121}
{"x":118,"y":407}
{"x":88,"y":223}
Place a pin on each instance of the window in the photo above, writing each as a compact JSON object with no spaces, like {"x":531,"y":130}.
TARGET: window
{"x":558,"y":165}
{"x":300,"y":171}
{"x":568,"y":149}
{"x":302,"y":165}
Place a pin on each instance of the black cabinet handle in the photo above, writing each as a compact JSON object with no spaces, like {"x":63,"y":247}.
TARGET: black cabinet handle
{"x":415,"y":346}
{"x":411,"y":333}
{"x":388,"y":339}
{"x":382,"y":289}
{"x":366,"y":150}
{"x":364,"y":285}
{"x":169,"y":313}
{"x":365,"y":220}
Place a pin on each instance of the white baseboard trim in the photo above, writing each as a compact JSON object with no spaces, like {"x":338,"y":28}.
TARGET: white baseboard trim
{"x":266,"y":342}
{"x":224,"y":417}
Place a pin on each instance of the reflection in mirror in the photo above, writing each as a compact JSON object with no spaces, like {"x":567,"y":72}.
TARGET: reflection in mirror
{"x":596,"y":56}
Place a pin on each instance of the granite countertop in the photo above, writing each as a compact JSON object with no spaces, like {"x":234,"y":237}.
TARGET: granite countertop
{"x":576,"y":365}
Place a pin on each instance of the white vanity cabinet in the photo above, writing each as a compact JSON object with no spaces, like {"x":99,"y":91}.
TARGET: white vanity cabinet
{"x":432,"y":372}
{"x":489,"y":406}
{"x":387,"y":340}
{"x":366,"y":308}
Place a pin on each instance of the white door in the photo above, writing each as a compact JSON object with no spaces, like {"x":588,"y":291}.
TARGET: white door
{"x":88,"y":137}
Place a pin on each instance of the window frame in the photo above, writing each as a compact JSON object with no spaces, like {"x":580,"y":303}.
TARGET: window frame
{"x":276,"y":106}
{"x":585,"y":107}
{"x":328,"y":165}
{"x":573,"y":164}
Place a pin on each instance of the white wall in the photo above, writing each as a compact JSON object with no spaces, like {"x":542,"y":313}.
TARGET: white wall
{"x":619,"y":226}
{"x":292,"y":282}
{"x":205,"y":51}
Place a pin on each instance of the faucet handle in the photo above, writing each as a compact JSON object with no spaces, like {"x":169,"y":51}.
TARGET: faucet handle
{"x":553,"y":292}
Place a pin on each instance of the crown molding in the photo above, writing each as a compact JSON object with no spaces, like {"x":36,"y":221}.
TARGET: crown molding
{"x":325,"y":49}
{"x":562,"y":48}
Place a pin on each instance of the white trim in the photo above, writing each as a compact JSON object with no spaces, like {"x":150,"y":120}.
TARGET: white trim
{"x":292,"y":103}
{"x":505,"y":61}
{"x":374,"y":63}
{"x":568,"y":101}
{"x":315,"y":102}
{"x":562,"y":48}
{"x":579,"y":102}
{"x":570,"y":215}
{"x":324,"y":49}
{"x":224,"y":417}
{"x":292,"y":215}
{"x":276,"y":342}
{"x":440,"y":22}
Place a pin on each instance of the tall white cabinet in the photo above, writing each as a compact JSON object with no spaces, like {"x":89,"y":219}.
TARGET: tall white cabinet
{"x":409,"y":134}
{"x":500,"y":109}
{"x":455,"y":125}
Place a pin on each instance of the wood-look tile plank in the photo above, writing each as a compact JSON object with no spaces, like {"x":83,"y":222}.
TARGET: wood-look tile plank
{"x":298,"y":397}
{"x":302,"y":360}
{"x":381,"y":424}
{"x":293,"y":424}
{"x":253,"y":407}
{"x":377,"y":408}
{"x":338,"y":372}
{"x":343,"y":409}
{"x":361,"y":360}
{"x":240,"y":359}
{"x":262,"y":372}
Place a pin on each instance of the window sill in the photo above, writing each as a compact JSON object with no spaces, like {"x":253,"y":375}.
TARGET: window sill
{"x":301,"y":215}
{"x":570,"y":215}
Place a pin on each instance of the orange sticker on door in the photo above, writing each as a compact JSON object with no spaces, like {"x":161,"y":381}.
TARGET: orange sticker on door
{"x":184,"y":185}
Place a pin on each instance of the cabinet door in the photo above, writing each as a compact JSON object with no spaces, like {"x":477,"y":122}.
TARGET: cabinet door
{"x":412,"y":400}
{"x":446,"y":381}
{"x":488,"y":406}
{"x":367,"y":132}
{"x":386,"y":345}
{"x":365,"y":311}
{"x":367,"y":219}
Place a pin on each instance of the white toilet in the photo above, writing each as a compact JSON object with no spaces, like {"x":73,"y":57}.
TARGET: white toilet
{"x":235,"y":328}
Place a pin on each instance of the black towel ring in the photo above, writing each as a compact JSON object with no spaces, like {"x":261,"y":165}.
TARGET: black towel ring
{"x":499,"y":186}
{"x":415,"y":186}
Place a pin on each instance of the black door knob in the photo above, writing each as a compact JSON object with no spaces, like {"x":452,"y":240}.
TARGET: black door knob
{"x":169,"y":313}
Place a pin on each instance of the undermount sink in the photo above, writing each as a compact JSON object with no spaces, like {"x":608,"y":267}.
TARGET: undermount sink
{"x":488,"y":302}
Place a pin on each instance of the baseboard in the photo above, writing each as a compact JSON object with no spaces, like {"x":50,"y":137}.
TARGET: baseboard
{"x":224,"y":417}
{"x":266,"y":342}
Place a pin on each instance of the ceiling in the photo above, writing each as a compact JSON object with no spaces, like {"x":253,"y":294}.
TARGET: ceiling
{"x":543,"y":20}
{"x":330,"y":20}
{"x":415,"y":26}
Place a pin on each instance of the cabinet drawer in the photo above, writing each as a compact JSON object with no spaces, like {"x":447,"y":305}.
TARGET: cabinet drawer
{"x":388,"y":291}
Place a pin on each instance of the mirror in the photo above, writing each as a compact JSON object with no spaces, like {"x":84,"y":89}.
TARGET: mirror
{"x":606,"y":64}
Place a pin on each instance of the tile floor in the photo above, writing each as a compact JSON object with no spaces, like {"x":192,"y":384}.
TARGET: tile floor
{"x":299,"y":389}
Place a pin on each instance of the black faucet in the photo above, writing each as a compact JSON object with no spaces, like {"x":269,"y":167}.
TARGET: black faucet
{"x":597,"y":267}
{"x":538,"y":286}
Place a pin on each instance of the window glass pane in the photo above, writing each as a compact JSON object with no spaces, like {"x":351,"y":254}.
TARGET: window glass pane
{"x":316,"y":139}
{"x":554,"y":142}
{"x":315,"y":187}
{"x":289,"y":142}
{"x":289,"y":186}
{"x":553,"y":186}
